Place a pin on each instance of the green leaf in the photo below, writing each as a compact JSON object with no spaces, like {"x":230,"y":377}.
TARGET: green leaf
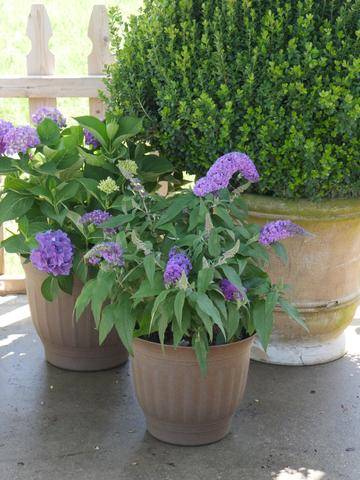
{"x":66,"y":283}
{"x":158,"y":300}
{"x":124,"y":320}
{"x":16,"y":184}
{"x":129,"y":126}
{"x":118,"y":220}
{"x":263,"y":323}
{"x":207,"y":306}
{"x":104,"y":284}
{"x":84,"y":298}
{"x":80,"y":268}
{"x":233,"y":319}
{"x":107,"y":322}
{"x":149,"y":265}
{"x":50,"y":212}
{"x":15,"y":244}
{"x":14,"y":205}
{"x":205,"y":277}
{"x":50,"y":288}
{"x":225,"y":217}
{"x":293,"y":312}
{"x":200,"y":345}
{"x":166,"y":311}
{"x":214,"y":246}
{"x":232,"y":276}
{"x":95,"y":127}
{"x":6,"y":165}
{"x":147,"y":290}
{"x":176,"y":207}
{"x":49,"y":132}
{"x":66,"y":190}
{"x":179,"y":305}
{"x":280,"y":251}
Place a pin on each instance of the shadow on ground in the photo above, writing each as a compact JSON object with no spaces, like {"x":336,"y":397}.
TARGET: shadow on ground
{"x":295,"y":423}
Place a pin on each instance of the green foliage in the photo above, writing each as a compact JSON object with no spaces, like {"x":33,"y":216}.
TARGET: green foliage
{"x":51,"y":186}
{"x":192,"y":310}
{"x":277,"y":79}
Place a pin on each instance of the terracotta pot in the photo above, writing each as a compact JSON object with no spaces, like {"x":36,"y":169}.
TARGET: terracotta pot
{"x":180,"y":405}
{"x":323,"y":272}
{"x":69,"y":344}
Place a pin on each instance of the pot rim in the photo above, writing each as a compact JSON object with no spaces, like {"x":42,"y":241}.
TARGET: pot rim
{"x":324,"y":210}
{"x":184,"y":348}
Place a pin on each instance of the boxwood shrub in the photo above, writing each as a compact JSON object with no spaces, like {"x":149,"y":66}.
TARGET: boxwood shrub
{"x":276,"y":79}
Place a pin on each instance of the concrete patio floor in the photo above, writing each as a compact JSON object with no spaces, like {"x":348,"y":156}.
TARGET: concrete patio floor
{"x":295,"y":423}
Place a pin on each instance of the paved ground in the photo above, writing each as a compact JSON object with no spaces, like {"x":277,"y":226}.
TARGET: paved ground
{"x":294,"y":423}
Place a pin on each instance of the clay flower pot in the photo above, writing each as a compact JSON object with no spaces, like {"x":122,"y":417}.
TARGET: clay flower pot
{"x":181,"y":406}
{"x":69,"y":344}
{"x":324,"y":274}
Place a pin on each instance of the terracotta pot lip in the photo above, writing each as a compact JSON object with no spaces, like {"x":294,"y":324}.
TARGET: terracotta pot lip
{"x":189,"y":348}
{"x":324,"y":210}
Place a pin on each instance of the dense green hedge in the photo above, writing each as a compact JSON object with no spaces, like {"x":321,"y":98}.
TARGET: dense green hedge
{"x":276,"y":79}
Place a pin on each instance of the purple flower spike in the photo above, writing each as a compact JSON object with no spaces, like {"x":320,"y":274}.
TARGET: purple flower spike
{"x":4,"y":128}
{"x":279,"y":230}
{"x":109,"y":252}
{"x":90,"y":139}
{"x":177,"y":264}
{"x":54,"y":254}
{"x":97,"y":218}
{"x":230,"y":291}
{"x":219,"y":175}
{"x":47,"y":112}
{"x":20,"y":139}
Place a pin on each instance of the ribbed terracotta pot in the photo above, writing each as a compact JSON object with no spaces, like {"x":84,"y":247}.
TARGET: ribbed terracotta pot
{"x":182,"y":406}
{"x":323,"y":272}
{"x":69,"y":344}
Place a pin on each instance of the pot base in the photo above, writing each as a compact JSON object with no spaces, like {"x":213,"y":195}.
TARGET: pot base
{"x":188,"y":435}
{"x":79,"y":361}
{"x":300,"y":352}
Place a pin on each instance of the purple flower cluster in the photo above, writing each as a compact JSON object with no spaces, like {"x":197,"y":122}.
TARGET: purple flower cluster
{"x":230,"y":291}
{"x":97,"y":218}
{"x":219,"y":175}
{"x":54,"y":254}
{"x":109,"y":252}
{"x":19,"y":139}
{"x":177,"y":264}
{"x":279,"y":230}
{"x":52,"y":113}
{"x":4,"y":128}
{"x":90,"y":139}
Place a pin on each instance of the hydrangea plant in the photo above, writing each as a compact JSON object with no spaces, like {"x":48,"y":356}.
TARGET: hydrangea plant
{"x":63,"y":182}
{"x":187,"y":269}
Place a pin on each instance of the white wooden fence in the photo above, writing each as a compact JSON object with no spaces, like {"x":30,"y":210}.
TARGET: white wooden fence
{"x":42,"y":86}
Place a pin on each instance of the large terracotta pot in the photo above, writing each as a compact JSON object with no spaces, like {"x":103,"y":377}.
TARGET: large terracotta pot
{"x":324,"y":274}
{"x":182,"y":406}
{"x":69,"y":344}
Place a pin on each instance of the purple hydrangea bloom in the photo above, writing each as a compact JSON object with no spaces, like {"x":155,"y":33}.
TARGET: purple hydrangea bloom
{"x":230,"y":291}
{"x":177,"y":264}
{"x":20,"y":139}
{"x":109,"y":252}
{"x":48,"y":112}
{"x":219,"y":175}
{"x":90,"y":139}
{"x":54,"y":254}
{"x":97,"y":218}
{"x":4,"y":128}
{"x":279,"y":230}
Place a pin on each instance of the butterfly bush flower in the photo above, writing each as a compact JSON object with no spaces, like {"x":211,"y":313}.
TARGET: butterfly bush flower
{"x":279,"y":230}
{"x":90,"y":139}
{"x":47,"y":112}
{"x":177,"y":264}
{"x":108,"y":186}
{"x":20,"y":139}
{"x":219,"y":175}
{"x":97,"y":218}
{"x":4,"y":128}
{"x":109,"y":252}
{"x":54,"y":254}
{"x":230,"y":291}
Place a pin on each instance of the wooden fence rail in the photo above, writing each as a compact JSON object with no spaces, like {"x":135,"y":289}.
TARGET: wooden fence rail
{"x":42,"y":87}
